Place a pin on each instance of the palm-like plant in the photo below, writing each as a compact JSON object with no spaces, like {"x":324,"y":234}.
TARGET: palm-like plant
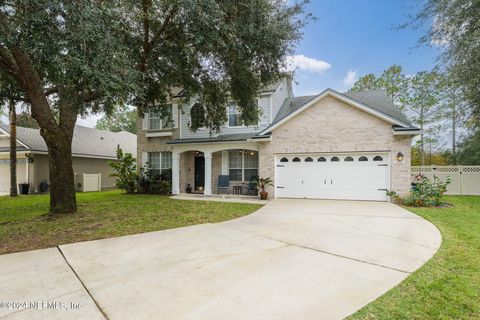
{"x":262,"y":183}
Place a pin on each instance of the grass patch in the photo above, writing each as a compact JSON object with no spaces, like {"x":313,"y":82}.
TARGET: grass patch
{"x":447,"y":286}
{"x":25,"y":224}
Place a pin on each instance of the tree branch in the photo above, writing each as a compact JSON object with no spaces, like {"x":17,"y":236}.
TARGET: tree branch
{"x":162,"y":28}
{"x":50,"y":91}
{"x":29,"y":80}
{"x":7,"y":63}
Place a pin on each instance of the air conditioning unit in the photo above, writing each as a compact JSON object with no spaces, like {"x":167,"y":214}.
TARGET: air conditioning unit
{"x":88,"y":182}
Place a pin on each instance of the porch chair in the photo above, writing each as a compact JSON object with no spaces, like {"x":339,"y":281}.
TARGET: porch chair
{"x":223,"y":183}
{"x":250,"y":187}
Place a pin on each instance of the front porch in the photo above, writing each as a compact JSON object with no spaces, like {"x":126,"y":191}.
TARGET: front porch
{"x":196,"y":169}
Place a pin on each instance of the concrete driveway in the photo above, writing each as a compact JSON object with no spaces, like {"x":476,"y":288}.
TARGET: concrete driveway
{"x":292,"y":259}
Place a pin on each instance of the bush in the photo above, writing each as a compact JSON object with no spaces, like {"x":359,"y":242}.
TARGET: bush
{"x":125,"y":171}
{"x":426,"y":193}
{"x":152,"y":181}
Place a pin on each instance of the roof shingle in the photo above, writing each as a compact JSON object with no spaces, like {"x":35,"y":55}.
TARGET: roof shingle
{"x":86,"y":141}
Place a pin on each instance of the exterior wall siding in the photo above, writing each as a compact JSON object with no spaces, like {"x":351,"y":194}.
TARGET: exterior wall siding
{"x":334,"y":126}
{"x":80,"y":165}
{"x":277,"y":99}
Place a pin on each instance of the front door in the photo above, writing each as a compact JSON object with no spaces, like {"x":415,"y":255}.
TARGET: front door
{"x":199,"y":173}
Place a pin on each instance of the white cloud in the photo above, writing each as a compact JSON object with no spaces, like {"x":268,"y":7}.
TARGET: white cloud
{"x":350,"y":79}
{"x":302,"y":62}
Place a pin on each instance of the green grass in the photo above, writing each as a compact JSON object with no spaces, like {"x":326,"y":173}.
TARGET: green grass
{"x":447,"y":286}
{"x":25,"y":223}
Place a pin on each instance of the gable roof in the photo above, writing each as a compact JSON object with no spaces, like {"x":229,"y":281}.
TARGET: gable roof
{"x":378,"y":100}
{"x":290,"y":105}
{"x":87,"y":142}
{"x":373,"y":102}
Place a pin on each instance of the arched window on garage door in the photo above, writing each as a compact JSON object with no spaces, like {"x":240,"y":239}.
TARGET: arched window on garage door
{"x":296,"y":159}
{"x":348,"y":159}
{"x":308,"y":159}
{"x":377,"y":158}
{"x":284,"y":159}
{"x":321,"y":159}
{"x":363,"y":158}
{"x":335,"y":159}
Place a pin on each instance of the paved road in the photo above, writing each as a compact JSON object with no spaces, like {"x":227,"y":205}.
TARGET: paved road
{"x":292,"y":259}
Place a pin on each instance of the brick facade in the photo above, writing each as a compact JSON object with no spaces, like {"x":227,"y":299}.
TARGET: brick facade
{"x":334,"y":126}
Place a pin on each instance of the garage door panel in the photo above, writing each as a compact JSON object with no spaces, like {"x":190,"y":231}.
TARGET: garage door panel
{"x":356,"y":180}
{"x":5,"y":174}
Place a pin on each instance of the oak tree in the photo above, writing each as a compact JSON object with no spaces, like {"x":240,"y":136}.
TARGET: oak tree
{"x":66,"y":58}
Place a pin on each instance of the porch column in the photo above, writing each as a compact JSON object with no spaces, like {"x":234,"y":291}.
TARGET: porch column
{"x":175,"y":173}
{"x":208,"y":173}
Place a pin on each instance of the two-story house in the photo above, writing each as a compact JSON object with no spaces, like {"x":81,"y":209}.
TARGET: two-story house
{"x":332,"y":145}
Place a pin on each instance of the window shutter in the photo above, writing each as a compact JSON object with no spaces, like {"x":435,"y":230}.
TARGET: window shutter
{"x":225,"y":163}
{"x":144,"y":159}
{"x":175,"y":115}
{"x":145,"y":120}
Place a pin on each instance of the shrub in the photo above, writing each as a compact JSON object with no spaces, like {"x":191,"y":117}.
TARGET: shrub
{"x":152,"y":181}
{"x":125,"y":171}
{"x":426,"y":193}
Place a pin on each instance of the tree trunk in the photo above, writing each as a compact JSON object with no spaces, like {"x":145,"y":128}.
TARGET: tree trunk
{"x":56,"y":130}
{"x":62,"y":182}
{"x":13,"y":148}
{"x":422,"y":146}
{"x":454,"y":134}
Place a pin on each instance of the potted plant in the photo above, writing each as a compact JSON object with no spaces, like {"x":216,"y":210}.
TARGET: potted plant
{"x":261,"y":184}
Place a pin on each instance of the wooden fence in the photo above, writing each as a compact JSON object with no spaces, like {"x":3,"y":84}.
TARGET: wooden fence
{"x":465,"y":180}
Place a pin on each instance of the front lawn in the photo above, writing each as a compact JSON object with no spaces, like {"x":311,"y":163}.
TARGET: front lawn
{"x":447,"y":286}
{"x":25,"y":224}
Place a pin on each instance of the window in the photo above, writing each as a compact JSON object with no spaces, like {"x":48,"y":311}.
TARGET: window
{"x":321,"y":159}
{"x":335,"y":159}
{"x":161,"y":161}
{"x":234,"y":116}
{"x":284,"y":160}
{"x":308,"y":159}
{"x":243,"y":165}
{"x":296,"y":159}
{"x":363,"y":158}
{"x":348,"y":159}
{"x":250,"y":165}
{"x":157,"y":122}
{"x":377,"y":158}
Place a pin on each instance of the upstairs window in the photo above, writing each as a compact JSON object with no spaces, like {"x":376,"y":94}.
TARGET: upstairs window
{"x":234,"y":116}
{"x":157,"y":122}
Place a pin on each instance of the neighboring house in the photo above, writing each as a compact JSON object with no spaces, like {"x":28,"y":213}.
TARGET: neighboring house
{"x":92,"y":149}
{"x":328,"y":146}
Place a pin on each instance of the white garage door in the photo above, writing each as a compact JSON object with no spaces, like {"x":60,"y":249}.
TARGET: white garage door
{"x":356,"y":176}
{"x":5,"y":174}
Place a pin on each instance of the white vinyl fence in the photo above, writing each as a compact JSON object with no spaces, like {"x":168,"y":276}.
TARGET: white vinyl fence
{"x":465,"y":180}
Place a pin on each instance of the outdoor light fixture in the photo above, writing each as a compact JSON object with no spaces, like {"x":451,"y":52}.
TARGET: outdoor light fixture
{"x":400,"y":157}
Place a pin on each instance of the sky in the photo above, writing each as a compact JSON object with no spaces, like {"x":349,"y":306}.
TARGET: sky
{"x":351,"y":38}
